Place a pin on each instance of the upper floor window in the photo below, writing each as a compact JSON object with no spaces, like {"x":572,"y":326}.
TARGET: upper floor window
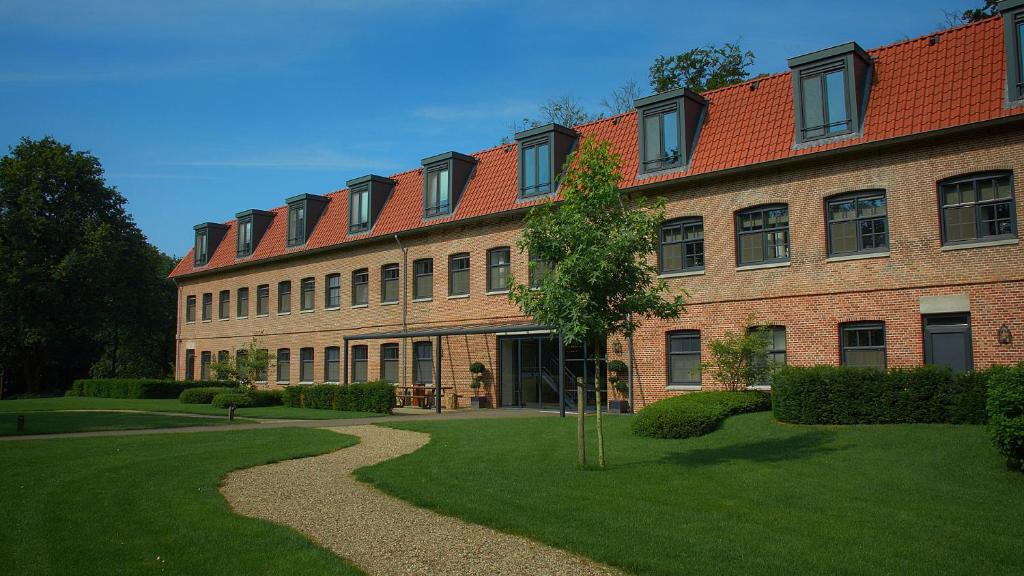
{"x":536,"y":167}
{"x":263,"y":300}
{"x":977,"y":208}
{"x":360,"y":287}
{"x":1013,"y":19}
{"x":306,"y":294}
{"x":762,"y":235}
{"x":499,"y":265}
{"x":857,"y":223}
{"x":863,"y":344}
{"x":684,"y":358}
{"x":823,"y":102}
{"x":284,"y":297}
{"x":242,"y":305}
{"x":207,"y":307}
{"x":283,"y":364}
{"x":244,"y":237}
{"x":332,"y":364}
{"x":297,"y":224}
{"x":423,"y":279}
{"x":538,"y":270}
{"x":389,"y":283}
{"x":306,"y":365}
{"x":190,"y":309}
{"x":389,"y":362}
{"x":360,"y":363}
{"x":224,"y":307}
{"x":1019,"y":26}
{"x":660,"y":139}
{"x":438,"y":191}
{"x":332,"y":296}
{"x":682,"y":246}
{"x":458,"y":274}
{"x":202,"y":250}
{"x":359,"y":209}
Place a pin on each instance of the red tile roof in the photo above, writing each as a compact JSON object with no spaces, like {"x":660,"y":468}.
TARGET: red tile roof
{"x":918,"y":86}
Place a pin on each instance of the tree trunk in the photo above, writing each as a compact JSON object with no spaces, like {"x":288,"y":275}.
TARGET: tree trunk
{"x":581,"y":403}
{"x":600,"y":427}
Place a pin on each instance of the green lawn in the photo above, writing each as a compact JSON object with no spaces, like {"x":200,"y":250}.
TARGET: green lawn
{"x":56,"y":422}
{"x":172,"y":405}
{"x":150,"y":505}
{"x":755,"y":497}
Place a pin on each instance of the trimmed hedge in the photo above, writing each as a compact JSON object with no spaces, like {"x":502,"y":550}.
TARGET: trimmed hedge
{"x":137,"y":387}
{"x":236,"y":399}
{"x":1006,"y":414}
{"x":695,"y":414}
{"x":845,"y":395}
{"x":266,"y":397}
{"x":377,"y":396}
{"x":201,"y":395}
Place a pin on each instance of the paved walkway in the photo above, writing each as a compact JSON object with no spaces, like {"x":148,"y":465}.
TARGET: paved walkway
{"x":381,"y":534}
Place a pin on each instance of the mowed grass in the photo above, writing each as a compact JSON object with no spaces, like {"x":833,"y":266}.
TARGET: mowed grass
{"x":57,"y":422}
{"x":754,"y":497}
{"x":172,"y":405}
{"x":150,"y":505}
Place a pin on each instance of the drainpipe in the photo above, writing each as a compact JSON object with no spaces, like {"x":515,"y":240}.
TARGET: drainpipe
{"x":177,"y":328}
{"x":629,"y":369}
{"x":404,"y":275}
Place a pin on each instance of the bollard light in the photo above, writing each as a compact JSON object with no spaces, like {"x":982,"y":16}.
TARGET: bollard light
{"x":231,"y":413}
{"x":21,"y":422}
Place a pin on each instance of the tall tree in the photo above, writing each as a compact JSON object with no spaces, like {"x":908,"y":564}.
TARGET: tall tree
{"x":596,"y":250}
{"x":702,"y":69}
{"x":622,"y":99}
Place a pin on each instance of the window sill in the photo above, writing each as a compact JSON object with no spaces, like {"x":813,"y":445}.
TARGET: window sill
{"x":306,"y":311}
{"x":262,"y":315}
{"x":333,"y":308}
{"x":207,"y":321}
{"x":395,"y":303}
{"x":865,"y":256}
{"x":682,"y":274}
{"x":305,"y":381}
{"x":284,"y":313}
{"x":458,"y":296}
{"x":981,"y":244}
{"x":282,"y":382}
{"x":496,"y":292}
{"x":333,"y":382}
{"x":762,"y":266}
{"x":682,"y":387}
{"x":761,"y":388}
{"x":360,"y":305}
{"x":223,"y":319}
{"x":241,"y":317}
{"x":188,"y":322}
{"x":423,"y":299}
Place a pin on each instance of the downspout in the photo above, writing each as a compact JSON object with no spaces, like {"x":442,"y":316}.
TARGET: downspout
{"x":177,"y":328}
{"x":404,"y":275}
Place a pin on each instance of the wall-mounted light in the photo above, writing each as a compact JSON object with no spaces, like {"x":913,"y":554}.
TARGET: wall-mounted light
{"x":1005,"y":335}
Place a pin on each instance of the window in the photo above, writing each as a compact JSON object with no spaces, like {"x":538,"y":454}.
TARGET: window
{"x":660,"y":139}
{"x":389,"y":283}
{"x":423,"y":363}
{"x":204,"y":365}
{"x":535,"y":172}
{"x":202,"y":253}
{"x":297,"y":224}
{"x":284,"y":297}
{"x":1019,"y":37}
{"x":224,"y":306}
{"x":1013,"y":18}
{"x":306,"y":296}
{"x":682,"y":246}
{"x":538,"y":270}
{"x":207,"y":307}
{"x":360,"y":287}
{"x":776,"y":348}
{"x":977,"y":208}
{"x":332,"y":364}
{"x":423,"y":279}
{"x":220,"y":372}
{"x":389,"y":362}
{"x":857,"y":223}
{"x":190,"y":364}
{"x":283,"y":364}
{"x":863,"y":344}
{"x":360,"y":361}
{"x":261,"y":372}
{"x":190,"y":309}
{"x":438,"y":192}
{"x":458,"y":274}
{"x":498,"y":266}
{"x":332,"y":296}
{"x":242,"y":307}
{"x":684,"y":358}
{"x":359,"y":209}
{"x":223,"y":356}
{"x":244,"y":237}
{"x":263,"y":299}
{"x":824,"y":102}
{"x":306,"y":365}
{"x":762,"y":235}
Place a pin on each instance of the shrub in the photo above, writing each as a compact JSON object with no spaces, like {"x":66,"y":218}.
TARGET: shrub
{"x":1006,"y":414}
{"x":137,"y":387}
{"x":236,"y":399}
{"x":201,"y":395}
{"x":695,"y":414}
{"x":377,"y":396}
{"x":265,"y":397}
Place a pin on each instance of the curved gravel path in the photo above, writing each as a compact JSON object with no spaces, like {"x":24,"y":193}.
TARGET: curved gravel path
{"x":384,"y":535}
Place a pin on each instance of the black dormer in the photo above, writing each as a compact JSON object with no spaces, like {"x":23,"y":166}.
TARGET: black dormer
{"x":1013,"y":22}
{"x":445,"y":176}
{"x":208,"y":237}
{"x":366,"y":198}
{"x":830,"y":91}
{"x":667,"y":128}
{"x":251,"y":225}
{"x":542,"y":151}
{"x":303,"y":212}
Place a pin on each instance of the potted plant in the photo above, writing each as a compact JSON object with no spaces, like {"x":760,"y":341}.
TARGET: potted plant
{"x":617,"y":371}
{"x":477,"y":370}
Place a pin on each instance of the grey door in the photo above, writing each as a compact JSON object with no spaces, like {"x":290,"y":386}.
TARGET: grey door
{"x":947,"y":341}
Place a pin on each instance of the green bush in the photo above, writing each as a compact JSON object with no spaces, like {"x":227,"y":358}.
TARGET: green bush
{"x":1006,"y":414}
{"x":377,"y":396}
{"x":265,"y":397}
{"x":845,"y":395}
{"x":201,"y":395}
{"x":695,"y":414}
{"x":137,"y":387}
{"x":236,"y":399}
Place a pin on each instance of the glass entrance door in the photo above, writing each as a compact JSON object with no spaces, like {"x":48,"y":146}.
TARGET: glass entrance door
{"x":529,"y":368}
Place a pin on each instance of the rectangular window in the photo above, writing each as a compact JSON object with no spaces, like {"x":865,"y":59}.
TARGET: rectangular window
{"x":306,"y":295}
{"x":360,"y":362}
{"x":458,"y":274}
{"x":660,"y":139}
{"x":857,"y":223}
{"x":224,"y":305}
{"x":535,"y":158}
{"x":207,"y":307}
{"x":297,"y":224}
{"x":261,"y":372}
{"x":360,"y":287}
{"x":190,"y":364}
{"x":1020,"y":56}
{"x":684,"y":358}
{"x":863,"y":344}
{"x":438,"y":192}
{"x":306,"y":365}
{"x":538,"y":270}
{"x":332,"y":295}
{"x":682,"y":246}
{"x":776,"y":348}
{"x":263,"y":299}
{"x":223,"y":356}
{"x":389,"y":283}
{"x":284,"y":297}
{"x":190,"y":309}
{"x":332,"y":364}
{"x":824,"y":103}
{"x":423,"y":279}
{"x":205,"y":359}
{"x":284,"y":366}
{"x":389,"y":362}
{"x":978,"y":208}
{"x":423,"y":363}
{"x":762,"y":235}
{"x":202,"y":255}
{"x":242,"y":307}
{"x":499,"y":264}
{"x":359,"y":210}
{"x":244,"y":238}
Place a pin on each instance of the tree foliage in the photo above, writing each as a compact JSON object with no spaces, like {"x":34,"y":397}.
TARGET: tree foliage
{"x":740,"y":361}
{"x":622,"y":99}
{"x":248,"y":366}
{"x":988,"y":9}
{"x":702,"y":69}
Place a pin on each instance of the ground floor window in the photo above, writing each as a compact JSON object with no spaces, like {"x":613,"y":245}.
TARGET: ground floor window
{"x":389,"y":362}
{"x":684,"y":358}
{"x":261,"y":372}
{"x":332,"y":364}
{"x":190,"y":364}
{"x":423,"y":366}
{"x":283,"y":364}
{"x":360,"y":360}
{"x":863,"y":344}
{"x":306,"y":365}
{"x":204,"y":365}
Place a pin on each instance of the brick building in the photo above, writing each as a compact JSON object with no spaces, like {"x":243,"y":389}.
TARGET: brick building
{"x":862,"y":204}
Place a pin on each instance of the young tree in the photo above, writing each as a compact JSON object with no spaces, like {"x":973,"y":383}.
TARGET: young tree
{"x":596,"y":249}
{"x":741,"y":360}
{"x":702,"y":69}
{"x":622,"y":98}
{"x":249,"y":366}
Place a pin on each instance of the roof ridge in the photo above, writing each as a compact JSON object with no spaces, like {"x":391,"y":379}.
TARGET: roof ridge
{"x":942,"y":32}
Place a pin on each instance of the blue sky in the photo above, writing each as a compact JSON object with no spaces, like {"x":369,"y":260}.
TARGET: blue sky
{"x":199,"y":110}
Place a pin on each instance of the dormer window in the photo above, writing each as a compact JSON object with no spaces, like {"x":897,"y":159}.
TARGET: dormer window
{"x":445,"y":176}
{"x":297,"y":224}
{"x":438,"y":188}
{"x":366,"y":198}
{"x":829,"y":91}
{"x":661,"y":139}
{"x":825,"y":109}
{"x":245,"y":237}
{"x":667,"y":125}
{"x":304,"y":211}
{"x":1013,"y":18}
{"x":202,"y":248}
{"x":542,"y":151}
{"x":359,"y":209}
{"x":537,"y":175}
{"x":208,"y":237}
{"x":251,"y":226}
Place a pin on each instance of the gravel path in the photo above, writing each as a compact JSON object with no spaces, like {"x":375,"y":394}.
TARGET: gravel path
{"x":384,"y":535}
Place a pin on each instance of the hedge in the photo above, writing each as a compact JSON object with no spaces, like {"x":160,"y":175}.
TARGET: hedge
{"x":695,"y":414}
{"x":845,"y":395}
{"x":137,"y":387}
{"x":201,"y":395}
{"x":1006,"y":414}
{"x":377,"y":396}
{"x":236,"y":399}
{"x":266,"y":397}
